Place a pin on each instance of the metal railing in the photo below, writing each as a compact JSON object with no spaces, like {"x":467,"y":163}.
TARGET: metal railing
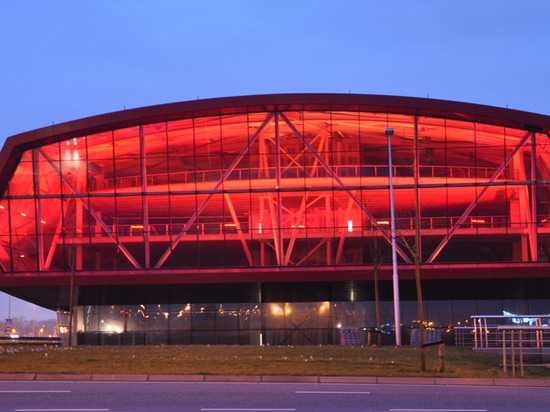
{"x":221,"y":227}
{"x":486,"y":329}
{"x":521,"y":336}
{"x":294,"y":172}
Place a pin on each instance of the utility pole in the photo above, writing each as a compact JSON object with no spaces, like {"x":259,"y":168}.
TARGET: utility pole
{"x":395,"y":277}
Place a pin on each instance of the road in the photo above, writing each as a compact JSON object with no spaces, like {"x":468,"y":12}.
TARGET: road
{"x":263,"y":397}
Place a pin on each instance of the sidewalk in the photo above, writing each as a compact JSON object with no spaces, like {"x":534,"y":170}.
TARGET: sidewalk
{"x":371,"y":380}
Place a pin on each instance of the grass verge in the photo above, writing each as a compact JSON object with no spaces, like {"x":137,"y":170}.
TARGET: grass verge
{"x":253,"y":360}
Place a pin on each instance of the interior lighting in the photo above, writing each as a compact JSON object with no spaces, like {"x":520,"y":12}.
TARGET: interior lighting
{"x":350,"y":226}
{"x":383,"y":222}
{"x":43,"y":222}
{"x":136,"y":226}
{"x":260,"y":228}
{"x":229,"y":225}
{"x":23,"y":214}
{"x":112,"y":328}
{"x":142,"y":313}
{"x":478,"y":220}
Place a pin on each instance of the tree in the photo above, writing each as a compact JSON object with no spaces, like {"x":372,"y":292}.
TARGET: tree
{"x":416,"y":258}
{"x":376,"y":251}
{"x":414,"y":249}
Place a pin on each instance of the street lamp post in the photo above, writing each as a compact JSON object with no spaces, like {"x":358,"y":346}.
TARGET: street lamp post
{"x":395,"y":277}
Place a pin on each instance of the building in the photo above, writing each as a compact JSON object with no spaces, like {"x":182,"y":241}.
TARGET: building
{"x":263,"y":219}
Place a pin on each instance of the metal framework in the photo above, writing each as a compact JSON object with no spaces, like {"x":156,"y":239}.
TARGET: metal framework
{"x":268,"y":183}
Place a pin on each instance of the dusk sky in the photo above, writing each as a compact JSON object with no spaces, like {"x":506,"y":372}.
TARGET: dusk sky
{"x":64,"y":60}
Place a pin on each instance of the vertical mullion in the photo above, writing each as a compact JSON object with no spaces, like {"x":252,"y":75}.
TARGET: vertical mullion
{"x":37,"y":212}
{"x":534,"y":218}
{"x":278,"y":180}
{"x":416,"y":171}
{"x":144,"y":205}
{"x":115,"y":229}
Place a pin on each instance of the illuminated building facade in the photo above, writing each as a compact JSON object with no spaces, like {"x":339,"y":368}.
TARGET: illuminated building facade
{"x":263,"y":219}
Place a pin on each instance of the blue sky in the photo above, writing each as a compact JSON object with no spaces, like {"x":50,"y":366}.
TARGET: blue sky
{"x":64,"y":60}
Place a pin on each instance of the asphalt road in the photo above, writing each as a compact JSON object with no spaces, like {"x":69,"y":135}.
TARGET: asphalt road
{"x":262,"y":397}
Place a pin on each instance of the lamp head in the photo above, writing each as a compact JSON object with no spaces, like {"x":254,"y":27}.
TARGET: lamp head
{"x":389,"y":131}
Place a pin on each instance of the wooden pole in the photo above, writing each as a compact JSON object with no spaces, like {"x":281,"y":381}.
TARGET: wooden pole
{"x":441,"y":357}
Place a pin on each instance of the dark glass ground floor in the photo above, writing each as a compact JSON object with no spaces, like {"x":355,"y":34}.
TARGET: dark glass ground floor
{"x":314,"y":313}
{"x":287,"y":323}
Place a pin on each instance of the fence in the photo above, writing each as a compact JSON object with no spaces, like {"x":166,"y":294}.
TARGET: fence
{"x":485,"y":333}
{"x":521,"y":336}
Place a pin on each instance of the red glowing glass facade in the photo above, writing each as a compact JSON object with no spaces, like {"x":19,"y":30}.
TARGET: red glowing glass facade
{"x":268,"y":189}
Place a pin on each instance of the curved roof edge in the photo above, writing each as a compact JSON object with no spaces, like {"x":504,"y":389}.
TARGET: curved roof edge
{"x":15,"y":145}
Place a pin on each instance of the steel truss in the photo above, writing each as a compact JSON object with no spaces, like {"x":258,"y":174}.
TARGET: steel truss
{"x":283,"y":244}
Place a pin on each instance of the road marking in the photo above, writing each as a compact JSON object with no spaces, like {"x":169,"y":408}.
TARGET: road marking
{"x":246,"y":409}
{"x":35,"y":391}
{"x":438,"y":410}
{"x":334,"y":392}
{"x":61,"y":410}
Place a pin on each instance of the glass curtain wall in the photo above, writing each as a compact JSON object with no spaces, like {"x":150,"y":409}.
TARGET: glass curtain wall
{"x":282,"y":323}
{"x":276,"y":189}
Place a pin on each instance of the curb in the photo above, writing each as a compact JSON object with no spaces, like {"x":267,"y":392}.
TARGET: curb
{"x":359,"y":380}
